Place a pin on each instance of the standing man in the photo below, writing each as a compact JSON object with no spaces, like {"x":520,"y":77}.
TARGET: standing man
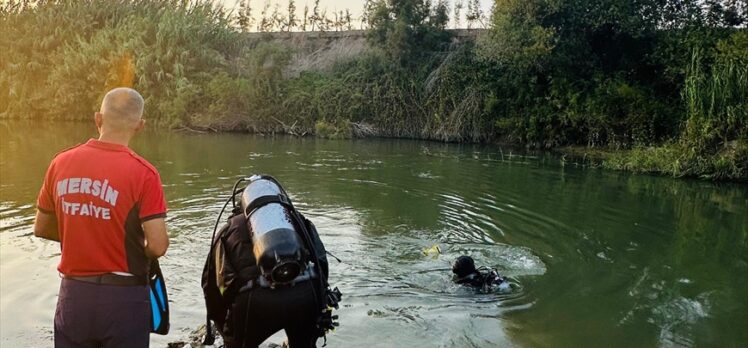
{"x":105,"y":205}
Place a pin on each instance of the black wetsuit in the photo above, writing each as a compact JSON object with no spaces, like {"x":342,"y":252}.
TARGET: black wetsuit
{"x":259,"y":313}
{"x":256,"y":314}
{"x":481,"y":280}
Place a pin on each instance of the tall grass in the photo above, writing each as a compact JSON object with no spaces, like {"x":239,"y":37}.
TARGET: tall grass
{"x":60,"y":56}
{"x":717,"y":102}
{"x":715,"y":139}
{"x":714,"y":142}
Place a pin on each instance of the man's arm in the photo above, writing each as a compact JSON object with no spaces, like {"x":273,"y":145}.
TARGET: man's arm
{"x":156,"y":238}
{"x":45,"y":226}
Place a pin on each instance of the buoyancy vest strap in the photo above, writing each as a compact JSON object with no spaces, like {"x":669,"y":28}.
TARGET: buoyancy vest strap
{"x":262,"y":201}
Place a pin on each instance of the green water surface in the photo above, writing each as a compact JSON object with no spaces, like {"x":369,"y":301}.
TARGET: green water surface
{"x":597,"y":258}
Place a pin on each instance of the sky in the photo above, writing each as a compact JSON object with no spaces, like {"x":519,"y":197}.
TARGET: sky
{"x":355,"y":6}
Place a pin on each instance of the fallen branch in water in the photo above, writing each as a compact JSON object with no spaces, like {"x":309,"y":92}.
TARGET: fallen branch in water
{"x":292,"y":129}
{"x":200,"y":130}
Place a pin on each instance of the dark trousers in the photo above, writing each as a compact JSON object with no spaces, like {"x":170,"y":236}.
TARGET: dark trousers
{"x":93,"y":315}
{"x":259,"y":313}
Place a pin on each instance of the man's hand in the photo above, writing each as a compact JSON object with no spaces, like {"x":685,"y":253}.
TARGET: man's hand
{"x":45,"y":226}
{"x":156,"y":238}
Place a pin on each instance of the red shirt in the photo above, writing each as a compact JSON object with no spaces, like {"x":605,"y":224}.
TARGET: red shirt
{"x":101,"y":193}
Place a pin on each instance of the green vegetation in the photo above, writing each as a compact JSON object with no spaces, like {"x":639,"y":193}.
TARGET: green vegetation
{"x":713,"y":143}
{"x":60,"y":57}
{"x":660,"y":83}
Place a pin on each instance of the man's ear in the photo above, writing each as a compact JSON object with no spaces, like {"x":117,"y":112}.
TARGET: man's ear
{"x":98,"y":120}
{"x":140,"y":126}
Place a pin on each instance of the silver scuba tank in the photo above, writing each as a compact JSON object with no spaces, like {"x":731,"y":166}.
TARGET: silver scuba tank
{"x":277,"y":247}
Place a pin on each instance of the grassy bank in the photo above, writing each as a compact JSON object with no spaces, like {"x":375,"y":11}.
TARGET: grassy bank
{"x":663,"y":87}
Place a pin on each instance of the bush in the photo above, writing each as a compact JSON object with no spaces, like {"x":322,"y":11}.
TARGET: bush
{"x":339,"y":130}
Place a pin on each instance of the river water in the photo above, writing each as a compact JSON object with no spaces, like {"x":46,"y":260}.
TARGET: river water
{"x":596,"y":258}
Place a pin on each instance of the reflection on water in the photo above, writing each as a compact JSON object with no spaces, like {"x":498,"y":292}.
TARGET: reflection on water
{"x":596,"y":257}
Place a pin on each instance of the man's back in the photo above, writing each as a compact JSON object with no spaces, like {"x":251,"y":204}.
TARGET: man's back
{"x":101,"y":193}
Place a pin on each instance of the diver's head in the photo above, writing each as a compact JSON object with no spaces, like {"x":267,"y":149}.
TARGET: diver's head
{"x":463,"y":266}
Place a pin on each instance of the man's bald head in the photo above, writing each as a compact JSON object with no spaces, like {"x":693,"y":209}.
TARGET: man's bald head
{"x":122,"y":109}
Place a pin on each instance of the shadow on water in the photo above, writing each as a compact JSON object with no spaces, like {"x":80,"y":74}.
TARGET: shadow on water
{"x":596,"y":257}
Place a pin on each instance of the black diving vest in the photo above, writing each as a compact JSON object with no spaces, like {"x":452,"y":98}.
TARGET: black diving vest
{"x":231,"y":266}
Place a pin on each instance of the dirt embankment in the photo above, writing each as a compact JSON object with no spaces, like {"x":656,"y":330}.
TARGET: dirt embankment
{"x":321,"y":50}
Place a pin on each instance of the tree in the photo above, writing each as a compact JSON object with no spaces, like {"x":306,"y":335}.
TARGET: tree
{"x":714,"y":12}
{"x":266,"y":23}
{"x":291,"y":21}
{"x":439,"y":16}
{"x":735,"y":13}
{"x":315,"y":18}
{"x":325,"y":23}
{"x":335,"y":20}
{"x":724,"y":13}
{"x":348,"y":20}
{"x":459,"y":5}
{"x":474,"y":14}
{"x":408,"y":29}
{"x":305,"y":18}
{"x":244,"y":17}
{"x":366,"y":13}
{"x":677,"y":14}
{"x":277,"y":18}
{"x":517,"y":35}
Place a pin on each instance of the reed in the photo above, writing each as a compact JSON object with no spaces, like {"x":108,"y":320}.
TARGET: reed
{"x":717,"y":102}
{"x":62,"y":55}
{"x":714,"y":143}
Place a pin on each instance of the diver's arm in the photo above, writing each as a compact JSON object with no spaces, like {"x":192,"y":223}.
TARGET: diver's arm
{"x":45,"y":226}
{"x":156,"y":238}
{"x":319,"y":247}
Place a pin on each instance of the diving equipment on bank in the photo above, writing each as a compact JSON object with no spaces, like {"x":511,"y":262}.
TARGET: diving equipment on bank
{"x":276,"y":247}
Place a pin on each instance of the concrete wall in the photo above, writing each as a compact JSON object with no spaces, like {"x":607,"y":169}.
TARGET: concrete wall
{"x":326,"y":36}
{"x":320,"y":50}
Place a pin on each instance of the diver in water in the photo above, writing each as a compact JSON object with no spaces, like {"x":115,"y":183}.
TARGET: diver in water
{"x":483,"y":278}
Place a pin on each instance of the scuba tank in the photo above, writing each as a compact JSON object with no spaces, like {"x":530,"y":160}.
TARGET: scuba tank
{"x":277,"y":249}
{"x":286,"y":249}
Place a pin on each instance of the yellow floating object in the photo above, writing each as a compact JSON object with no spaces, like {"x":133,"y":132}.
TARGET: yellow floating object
{"x":433,"y":250}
